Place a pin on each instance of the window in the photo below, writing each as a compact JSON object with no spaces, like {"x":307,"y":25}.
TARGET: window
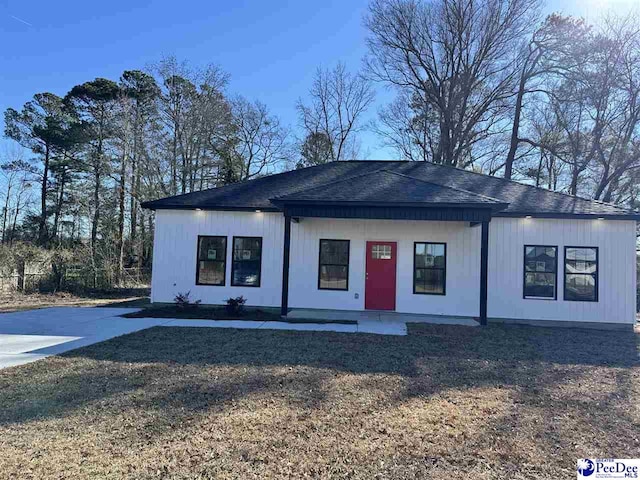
{"x":333,"y":273}
{"x":540,"y":271}
{"x":381,"y":252}
{"x":581,"y":274}
{"x":212,"y":254}
{"x":245,"y":265}
{"x":429,"y":268}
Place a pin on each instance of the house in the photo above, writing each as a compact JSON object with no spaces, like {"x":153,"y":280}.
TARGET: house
{"x":410,"y":237}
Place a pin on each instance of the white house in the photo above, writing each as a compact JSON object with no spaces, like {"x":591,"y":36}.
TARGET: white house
{"x":410,"y":237}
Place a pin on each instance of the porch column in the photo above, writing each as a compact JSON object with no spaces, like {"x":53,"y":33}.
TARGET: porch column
{"x":284,"y":306}
{"x":484,"y":264}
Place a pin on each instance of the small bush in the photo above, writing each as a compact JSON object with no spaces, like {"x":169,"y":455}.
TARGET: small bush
{"x":183,"y":301}
{"x":235,"y":306}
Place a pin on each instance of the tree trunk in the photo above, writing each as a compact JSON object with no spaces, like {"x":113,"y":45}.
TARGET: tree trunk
{"x":513,"y":146}
{"x":21,"y":274}
{"x":121,"y":207}
{"x":56,"y":218}
{"x":42,"y":226}
{"x":143,"y":239}
{"x":603,"y":183}
{"x":5,"y":214}
{"x":96,"y":219}
{"x":573,"y":188}
{"x":133,"y":205}
{"x":538,"y":173}
{"x":149,"y":241}
{"x":15,"y":221}
{"x":174,"y":161}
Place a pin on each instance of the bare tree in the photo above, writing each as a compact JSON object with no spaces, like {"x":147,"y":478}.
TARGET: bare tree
{"x":457,"y":56}
{"x":143,"y":90}
{"x":261,"y":142}
{"x":557,"y":47}
{"x":192,"y":108}
{"x":17,"y":196}
{"x":406,"y":125}
{"x":594,"y":113}
{"x":338,"y":100}
{"x":614,"y":86}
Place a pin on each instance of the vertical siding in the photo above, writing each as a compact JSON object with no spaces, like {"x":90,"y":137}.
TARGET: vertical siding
{"x":174,"y":263}
{"x":175,"y":245}
{"x":463,"y":264}
{"x":617,"y":279}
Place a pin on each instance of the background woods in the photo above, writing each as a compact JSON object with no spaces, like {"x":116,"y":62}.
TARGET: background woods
{"x":487,"y":85}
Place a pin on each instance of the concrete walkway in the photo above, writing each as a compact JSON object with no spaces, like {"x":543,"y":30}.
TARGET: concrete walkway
{"x":373,"y":317}
{"x":30,"y":335}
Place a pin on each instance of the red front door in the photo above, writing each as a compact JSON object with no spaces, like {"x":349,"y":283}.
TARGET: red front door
{"x":380,"y":277}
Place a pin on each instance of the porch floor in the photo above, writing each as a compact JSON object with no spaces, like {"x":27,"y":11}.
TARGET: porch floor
{"x":380,"y":321}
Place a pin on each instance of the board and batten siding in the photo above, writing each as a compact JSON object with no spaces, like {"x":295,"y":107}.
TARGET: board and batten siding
{"x":463,"y":264}
{"x":616,"y":242}
{"x":175,"y":249}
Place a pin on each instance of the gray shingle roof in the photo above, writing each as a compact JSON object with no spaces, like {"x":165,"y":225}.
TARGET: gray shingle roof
{"x":386,"y":181}
{"x":384,"y":187}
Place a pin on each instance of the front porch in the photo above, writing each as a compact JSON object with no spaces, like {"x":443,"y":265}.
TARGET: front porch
{"x":365,"y":215}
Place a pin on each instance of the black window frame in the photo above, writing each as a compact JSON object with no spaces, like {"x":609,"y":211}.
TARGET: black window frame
{"x":524,"y":273}
{"x":224,"y":261}
{"x":320,"y":264}
{"x":233,"y":246}
{"x":596,"y":276}
{"x":444,"y":269}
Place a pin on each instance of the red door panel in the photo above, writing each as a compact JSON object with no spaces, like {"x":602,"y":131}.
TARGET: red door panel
{"x":380,"y":277}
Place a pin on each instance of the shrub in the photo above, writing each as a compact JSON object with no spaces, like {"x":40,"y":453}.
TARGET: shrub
{"x":235,"y":306}
{"x":183,"y":301}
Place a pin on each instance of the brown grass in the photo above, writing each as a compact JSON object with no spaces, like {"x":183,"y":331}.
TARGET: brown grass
{"x":16,"y":301}
{"x":442,"y":403}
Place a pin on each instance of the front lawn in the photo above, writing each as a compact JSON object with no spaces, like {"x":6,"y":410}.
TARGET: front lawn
{"x":442,"y":403}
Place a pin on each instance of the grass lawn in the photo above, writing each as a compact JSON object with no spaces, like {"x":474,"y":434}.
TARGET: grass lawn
{"x":442,"y":403}
{"x":220,"y":313}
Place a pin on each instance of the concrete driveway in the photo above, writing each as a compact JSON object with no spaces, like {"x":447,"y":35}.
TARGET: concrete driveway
{"x":34,"y":334}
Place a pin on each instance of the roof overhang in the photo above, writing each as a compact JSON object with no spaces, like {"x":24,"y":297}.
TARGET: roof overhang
{"x":215,"y":208}
{"x":389,"y":212}
{"x":571,"y":216}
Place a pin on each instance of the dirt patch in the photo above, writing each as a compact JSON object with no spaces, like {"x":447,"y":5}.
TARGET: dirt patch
{"x":131,"y":297}
{"x":442,"y":403}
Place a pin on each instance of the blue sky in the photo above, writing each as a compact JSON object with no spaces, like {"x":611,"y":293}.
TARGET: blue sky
{"x":270,"y":48}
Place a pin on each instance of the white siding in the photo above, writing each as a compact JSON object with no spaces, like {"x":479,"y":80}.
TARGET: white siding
{"x":617,"y":272}
{"x":463,"y":264}
{"x":176,"y":235}
{"x":174,"y":254}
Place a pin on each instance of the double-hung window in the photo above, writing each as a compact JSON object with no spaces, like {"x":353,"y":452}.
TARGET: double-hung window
{"x":333,"y":271}
{"x":581,"y":274}
{"x":246,"y":261}
{"x":540,"y":271}
{"x":429,"y":268}
{"x":212,"y":255}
